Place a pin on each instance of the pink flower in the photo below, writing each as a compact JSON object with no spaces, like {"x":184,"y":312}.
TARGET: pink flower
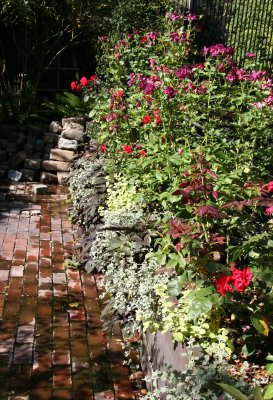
{"x":269,"y":210}
{"x":73,"y":85}
{"x":103,"y":148}
{"x":223,"y":284}
{"x":250,"y":55}
{"x":138,"y":146}
{"x":152,"y":36}
{"x":183,"y":72}
{"x":84,"y":81}
{"x":241,"y":279}
{"x":143,"y":153}
{"x":174,"y":16}
{"x":127,"y":148}
{"x":191,"y":17}
{"x":152,"y":62}
{"x":179,"y":151}
{"x":103,"y":38}
{"x":146,"y":119}
{"x":270,"y":187}
{"x":156,"y":112}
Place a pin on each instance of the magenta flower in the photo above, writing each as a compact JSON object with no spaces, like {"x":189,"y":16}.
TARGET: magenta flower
{"x":174,"y":16}
{"x":183,"y":72}
{"x":103,"y":38}
{"x":250,"y":55}
{"x":84,"y":81}
{"x":269,"y":210}
{"x":170,"y":92}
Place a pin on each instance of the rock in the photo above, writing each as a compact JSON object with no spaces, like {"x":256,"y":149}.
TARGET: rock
{"x":17,"y":159}
{"x":14,"y":175}
{"x":9,"y":132}
{"x":21,"y":140}
{"x":39,"y":145}
{"x":93,"y":145}
{"x":67,"y":144}
{"x":4,"y":143}
{"x":40,"y":189}
{"x":29,"y":149}
{"x":30,"y":163}
{"x":12,"y":147}
{"x":73,"y":134}
{"x":51,"y":138}
{"x":34,"y":131}
{"x":29,"y":175}
{"x":46,"y":177}
{"x":62,"y":155}
{"x":50,"y":165}
{"x":73,"y":120}
{"x":62,"y":177}
{"x":55,"y":127}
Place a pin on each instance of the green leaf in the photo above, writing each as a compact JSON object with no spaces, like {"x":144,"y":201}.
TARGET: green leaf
{"x":258,"y":393}
{"x":213,"y":267}
{"x":269,"y":357}
{"x":176,"y":284}
{"x":92,"y":113}
{"x":268,"y":392}
{"x":232,"y":391}
{"x":269,"y":368}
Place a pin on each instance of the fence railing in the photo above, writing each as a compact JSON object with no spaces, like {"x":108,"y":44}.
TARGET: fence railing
{"x":244,"y":24}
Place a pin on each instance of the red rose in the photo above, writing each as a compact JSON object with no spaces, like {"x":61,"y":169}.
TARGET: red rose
{"x":157,"y":120}
{"x":73,"y":85}
{"x":143,"y":153}
{"x":241,"y":279}
{"x":222,"y":284}
{"x":156,"y":112}
{"x":144,"y":39}
{"x":84,"y":81}
{"x":269,"y":210}
{"x":103,"y":148}
{"x":93,"y":78}
{"x":127,"y":148}
{"x":146,"y":119}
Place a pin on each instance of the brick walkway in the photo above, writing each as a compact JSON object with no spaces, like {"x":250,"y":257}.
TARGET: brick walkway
{"x":50,"y":348}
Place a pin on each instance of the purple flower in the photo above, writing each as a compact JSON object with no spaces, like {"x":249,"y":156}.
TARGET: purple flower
{"x":174,"y":16}
{"x":170,"y":92}
{"x":246,"y":328}
{"x":183,"y":72}
{"x":257,"y":75}
{"x":131,"y":81}
{"x":152,"y":62}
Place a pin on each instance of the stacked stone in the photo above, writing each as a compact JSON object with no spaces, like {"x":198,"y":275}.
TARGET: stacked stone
{"x":64,"y":139}
{"x":30,"y":154}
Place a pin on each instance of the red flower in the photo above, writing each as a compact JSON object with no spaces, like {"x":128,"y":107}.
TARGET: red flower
{"x":84,"y":81}
{"x":241,"y":279}
{"x":143,"y":153}
{"x":222,"y":284}
{"x":269,"y":210}
{"x":78,"y":88}
{"x":73,"y":85}
{"x":103,"y":148}
{"x":157,"y":120}
{"x":93,"y":78}
{"x":119,"y":93}
{"x":127,"y":148}
{"x":156,"y":112}
{"x":146,"y":119}
{"x":270,"y":187}
{"x":144,"y":39}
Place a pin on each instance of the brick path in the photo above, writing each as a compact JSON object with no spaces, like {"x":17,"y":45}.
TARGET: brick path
{"x":50,"y":348}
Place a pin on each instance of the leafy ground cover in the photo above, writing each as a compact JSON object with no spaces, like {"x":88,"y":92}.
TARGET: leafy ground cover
{"x":185,"y":238}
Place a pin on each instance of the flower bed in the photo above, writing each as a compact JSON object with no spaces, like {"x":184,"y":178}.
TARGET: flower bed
{"x":185,"y":241}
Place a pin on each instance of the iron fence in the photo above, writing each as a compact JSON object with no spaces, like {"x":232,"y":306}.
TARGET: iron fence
{"x":247,"y":25}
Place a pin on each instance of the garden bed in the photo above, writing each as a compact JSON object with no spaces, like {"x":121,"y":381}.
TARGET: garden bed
{"x":177,"y":205}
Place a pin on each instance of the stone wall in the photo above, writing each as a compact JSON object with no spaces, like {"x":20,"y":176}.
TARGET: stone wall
{"x":31,"y":154}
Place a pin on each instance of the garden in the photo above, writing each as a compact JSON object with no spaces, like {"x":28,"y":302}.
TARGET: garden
{"x":177,"y":205}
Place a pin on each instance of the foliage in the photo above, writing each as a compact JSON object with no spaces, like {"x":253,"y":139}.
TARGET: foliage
{"x":67,"y":104}
{"x":190,"y":143}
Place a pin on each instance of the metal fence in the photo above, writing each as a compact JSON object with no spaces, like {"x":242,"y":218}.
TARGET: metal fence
{"x":247,"y":25}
